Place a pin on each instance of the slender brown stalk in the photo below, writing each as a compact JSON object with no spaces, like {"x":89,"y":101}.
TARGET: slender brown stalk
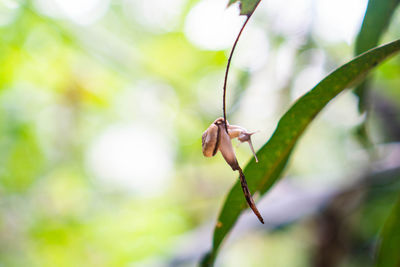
{"x":248,"y":196}
{"x":229,"y":63}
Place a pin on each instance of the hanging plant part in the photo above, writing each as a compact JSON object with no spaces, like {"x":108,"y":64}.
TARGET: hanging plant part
{"x":217,"y":138}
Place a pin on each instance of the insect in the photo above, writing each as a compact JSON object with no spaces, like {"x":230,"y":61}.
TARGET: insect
{"x":218,"y":137}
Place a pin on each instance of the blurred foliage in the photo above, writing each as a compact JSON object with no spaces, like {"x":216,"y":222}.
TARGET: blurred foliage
{"x":388,"y":254}
{"x":376,"y":20}
{"x":102,"y":106}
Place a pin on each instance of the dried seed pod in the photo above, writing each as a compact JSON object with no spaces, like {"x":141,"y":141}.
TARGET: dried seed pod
{"x":226,"y":148}
{"x":210,"y":140}
{"x":216,"y":138}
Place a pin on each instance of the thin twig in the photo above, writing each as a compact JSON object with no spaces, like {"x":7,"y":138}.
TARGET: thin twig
{"x":248,"y":196}
{"x":229,"y":62}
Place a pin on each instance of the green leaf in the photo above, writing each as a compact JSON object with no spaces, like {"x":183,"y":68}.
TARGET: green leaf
{"x":247,"y":7}
{"x":275,"y":153}
{"x":389,"y":249}
{"x":376,"y":20}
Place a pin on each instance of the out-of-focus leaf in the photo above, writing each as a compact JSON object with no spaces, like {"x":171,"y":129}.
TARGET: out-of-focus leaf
{"x":21,"y":146}
{"x":246,"y":6}
{"x":376,"y":20}
{"x":275,"y":153}
{"x":389,"y":250}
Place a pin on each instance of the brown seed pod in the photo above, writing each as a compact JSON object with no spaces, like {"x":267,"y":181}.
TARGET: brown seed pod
{"x":210,"y":140}
{"x":217,"y":138}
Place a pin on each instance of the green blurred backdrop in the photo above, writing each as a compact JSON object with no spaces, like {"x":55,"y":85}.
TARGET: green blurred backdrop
{"x":102,"y":107}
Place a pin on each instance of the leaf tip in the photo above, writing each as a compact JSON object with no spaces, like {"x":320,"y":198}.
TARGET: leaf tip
{"x":246,"y":7}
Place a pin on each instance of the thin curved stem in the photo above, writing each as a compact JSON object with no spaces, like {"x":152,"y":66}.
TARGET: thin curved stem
{"x":229,"y":63}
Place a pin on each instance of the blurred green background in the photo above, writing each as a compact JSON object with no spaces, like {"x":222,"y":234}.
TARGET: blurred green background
{"x":102,"y":107}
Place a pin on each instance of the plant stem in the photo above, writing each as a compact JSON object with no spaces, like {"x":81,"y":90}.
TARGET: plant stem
{"x":229,"y":63}
{"x":248,"y":196}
